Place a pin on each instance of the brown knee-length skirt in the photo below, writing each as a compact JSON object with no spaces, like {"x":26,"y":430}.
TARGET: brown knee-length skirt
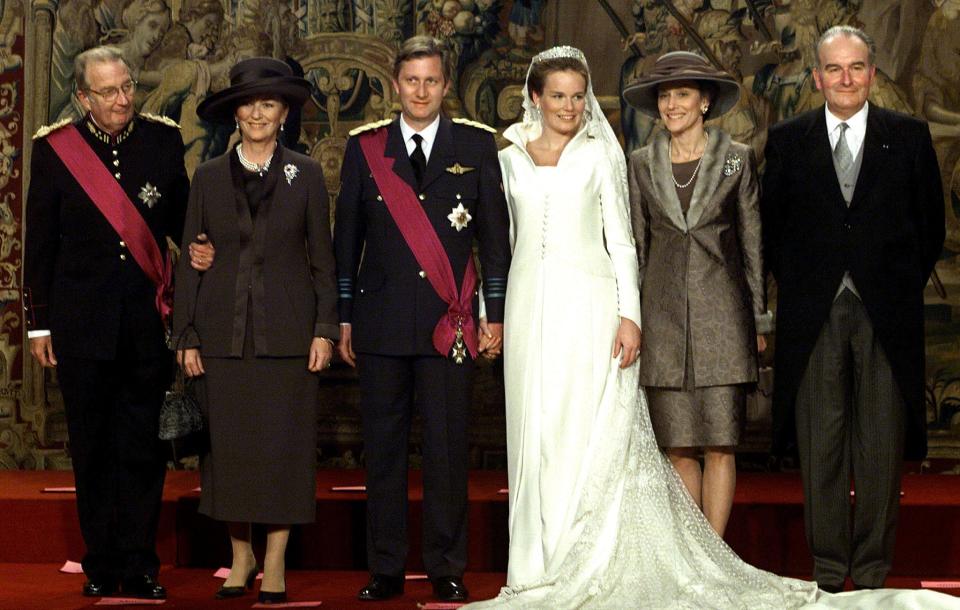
{"x":261,"y":465}
{"x":709,"y":416}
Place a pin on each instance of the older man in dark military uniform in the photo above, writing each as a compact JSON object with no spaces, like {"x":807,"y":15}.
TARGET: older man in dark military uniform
{"x":416,"y":192}
{"x":93,"y":298}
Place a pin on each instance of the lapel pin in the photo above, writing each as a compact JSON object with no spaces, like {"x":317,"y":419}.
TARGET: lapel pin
{"x":290,"y":171}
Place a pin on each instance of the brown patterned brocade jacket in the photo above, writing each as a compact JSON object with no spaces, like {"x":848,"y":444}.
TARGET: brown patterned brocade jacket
{"x":708,"y":263}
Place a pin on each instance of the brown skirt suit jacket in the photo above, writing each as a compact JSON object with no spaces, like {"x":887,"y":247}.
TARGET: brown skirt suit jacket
{"x":281,"y":263}
{"x":705,"y":267}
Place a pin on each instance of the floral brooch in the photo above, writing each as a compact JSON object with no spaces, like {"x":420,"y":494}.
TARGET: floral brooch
{"x":290,"y":171}
{"x":732,"y":164}
{"x":459,"y":217}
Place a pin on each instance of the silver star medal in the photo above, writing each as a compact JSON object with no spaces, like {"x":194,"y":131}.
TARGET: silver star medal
{"x":149,"y":195}
{"x":290,"y":171}
{"x":459,"y":217}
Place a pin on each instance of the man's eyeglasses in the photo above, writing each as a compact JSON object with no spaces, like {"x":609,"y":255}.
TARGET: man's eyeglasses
{"x":110,"y":94}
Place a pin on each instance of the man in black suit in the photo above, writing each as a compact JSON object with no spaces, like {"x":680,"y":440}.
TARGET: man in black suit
{"x":853,"y":223}
{"x":93,"y":313}
{"x":393,"y":319}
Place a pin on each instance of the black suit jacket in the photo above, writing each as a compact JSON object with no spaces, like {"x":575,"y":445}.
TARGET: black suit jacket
{"x":888,"y":239}
{"x":283,"y":258}
{"x":393,"y":310}
{"x":80,"y":282}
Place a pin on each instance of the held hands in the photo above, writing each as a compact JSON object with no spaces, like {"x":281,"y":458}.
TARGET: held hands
{"x":761,"y":344}
{"x":345,"y":346}
{"x":201,"y":253}
{"x":627,"y":342}
{"x":321,"y":354}
{"x":42,"y":350}
{"x":490,"y":338}
{"x":189,"y":361}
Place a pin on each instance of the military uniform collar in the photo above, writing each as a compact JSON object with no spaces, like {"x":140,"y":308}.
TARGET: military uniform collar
{"x":105,"y":137}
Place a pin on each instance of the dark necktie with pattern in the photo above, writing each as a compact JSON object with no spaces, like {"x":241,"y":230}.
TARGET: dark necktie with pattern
{"x":418,"y":159}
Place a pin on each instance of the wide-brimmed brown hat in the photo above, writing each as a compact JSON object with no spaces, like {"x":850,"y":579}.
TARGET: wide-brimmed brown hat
{"x":250,"y":78}
{"x":678,"y":66}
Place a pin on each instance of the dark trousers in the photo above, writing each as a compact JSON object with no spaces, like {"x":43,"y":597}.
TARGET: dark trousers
{"x":850,"y":417}
{"x":390,"y":388}
{"x":118,"y":462}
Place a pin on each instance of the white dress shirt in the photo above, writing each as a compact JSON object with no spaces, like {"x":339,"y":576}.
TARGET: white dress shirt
{"x":429,"y":134}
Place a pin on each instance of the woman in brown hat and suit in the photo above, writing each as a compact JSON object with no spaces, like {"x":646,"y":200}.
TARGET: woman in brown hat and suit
{"x":696,"y":221}
{"x":261,"y":321}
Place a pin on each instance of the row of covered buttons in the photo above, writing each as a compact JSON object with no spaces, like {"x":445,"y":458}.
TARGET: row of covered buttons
{"x":123,"y":255}
{"x":116,"y":163}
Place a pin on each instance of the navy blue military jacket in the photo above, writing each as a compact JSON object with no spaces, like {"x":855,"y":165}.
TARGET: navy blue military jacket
{"x":383,"y":293}
{"x":80,"y":281}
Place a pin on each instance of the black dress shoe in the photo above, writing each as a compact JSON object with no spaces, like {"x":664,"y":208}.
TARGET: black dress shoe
{"x":449,"y":589}
{"x":272,"y":597}
{"x":99,"y":588}
{"x":143,"y":587}
{"x":225,"y":592}
{"x":381,"y":587}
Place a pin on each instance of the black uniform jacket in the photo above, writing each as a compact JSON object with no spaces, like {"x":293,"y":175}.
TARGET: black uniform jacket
{"x":888,"y":239}
{"x":392,"y":307}
{"x":80,"y":282}
{"x":280,"y":262}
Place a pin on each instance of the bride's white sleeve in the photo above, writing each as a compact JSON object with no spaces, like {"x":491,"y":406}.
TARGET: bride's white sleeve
{"x":507,"y":176}
{"x":617,"y":232}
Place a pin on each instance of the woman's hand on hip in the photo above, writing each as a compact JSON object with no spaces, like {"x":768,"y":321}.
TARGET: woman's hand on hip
{"x":627,"y":343}
{"x":189,"y":361}
{"x":321,"y":354}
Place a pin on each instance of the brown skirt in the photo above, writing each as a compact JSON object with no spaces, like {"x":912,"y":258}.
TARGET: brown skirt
{"x":261,"y":466}
{"x":710,"y":416}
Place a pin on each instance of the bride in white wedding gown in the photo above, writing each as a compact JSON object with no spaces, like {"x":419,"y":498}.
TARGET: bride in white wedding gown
{"x":598,"y":517}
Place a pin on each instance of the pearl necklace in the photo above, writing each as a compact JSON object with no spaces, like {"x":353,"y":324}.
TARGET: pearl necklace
{"x":695,"y":170}
{"x":250,"y":165}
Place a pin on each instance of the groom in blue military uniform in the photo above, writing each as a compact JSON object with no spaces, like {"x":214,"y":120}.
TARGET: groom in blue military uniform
{"x":416,"y":192}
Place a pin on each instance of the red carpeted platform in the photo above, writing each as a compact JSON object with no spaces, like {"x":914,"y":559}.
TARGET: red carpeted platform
{"x":328,"y":557}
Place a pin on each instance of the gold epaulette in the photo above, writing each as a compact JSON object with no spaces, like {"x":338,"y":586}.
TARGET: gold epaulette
{"x":476,"y":124}
{"x":48,"y":129}
{"x":156,"y":118}
{"x":374,"y":125}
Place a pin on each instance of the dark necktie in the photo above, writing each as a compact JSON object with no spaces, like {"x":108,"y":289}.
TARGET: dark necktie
{"x":418,"y":159}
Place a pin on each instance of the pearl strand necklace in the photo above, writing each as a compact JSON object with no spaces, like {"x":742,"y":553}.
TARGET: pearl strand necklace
{"x":695,"y":170}
{"x":250,"y":165}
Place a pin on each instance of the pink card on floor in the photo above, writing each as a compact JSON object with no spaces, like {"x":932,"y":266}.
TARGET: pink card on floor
{"x":59,"y":490}
{"x":288,"y":605}
{"x":224,"y":573}
{"x":71,"y":567}
{"x":349,"y":488}
{"x":196,"y":489}
{"x":503,"y":491}
{"x":415,"y":577}
{"x":940,"y":584}
{"x":440,"y":605}
{"x":129,"y":601}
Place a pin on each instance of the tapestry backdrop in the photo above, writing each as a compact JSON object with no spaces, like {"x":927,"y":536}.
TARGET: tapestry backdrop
{"x":182,"y":50}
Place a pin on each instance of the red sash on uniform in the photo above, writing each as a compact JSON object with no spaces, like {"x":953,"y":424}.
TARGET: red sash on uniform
{"x":107,"y":194}
{"x":418,"y":232}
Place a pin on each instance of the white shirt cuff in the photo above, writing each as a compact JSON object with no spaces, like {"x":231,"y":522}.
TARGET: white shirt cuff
{"x":34,"y":334}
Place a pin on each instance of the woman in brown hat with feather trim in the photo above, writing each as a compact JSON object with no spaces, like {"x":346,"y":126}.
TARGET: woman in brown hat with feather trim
{"x":260,"y":322}
{"x":696,"y":221}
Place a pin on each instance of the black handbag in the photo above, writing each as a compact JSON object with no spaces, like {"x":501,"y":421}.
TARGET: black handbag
{"x":180,"y":414}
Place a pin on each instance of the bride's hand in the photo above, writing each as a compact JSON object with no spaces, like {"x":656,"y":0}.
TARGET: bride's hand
{"x":628,"y":342}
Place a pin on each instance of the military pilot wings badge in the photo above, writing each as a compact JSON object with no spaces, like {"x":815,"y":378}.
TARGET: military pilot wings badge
{"x":458,"y":170}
